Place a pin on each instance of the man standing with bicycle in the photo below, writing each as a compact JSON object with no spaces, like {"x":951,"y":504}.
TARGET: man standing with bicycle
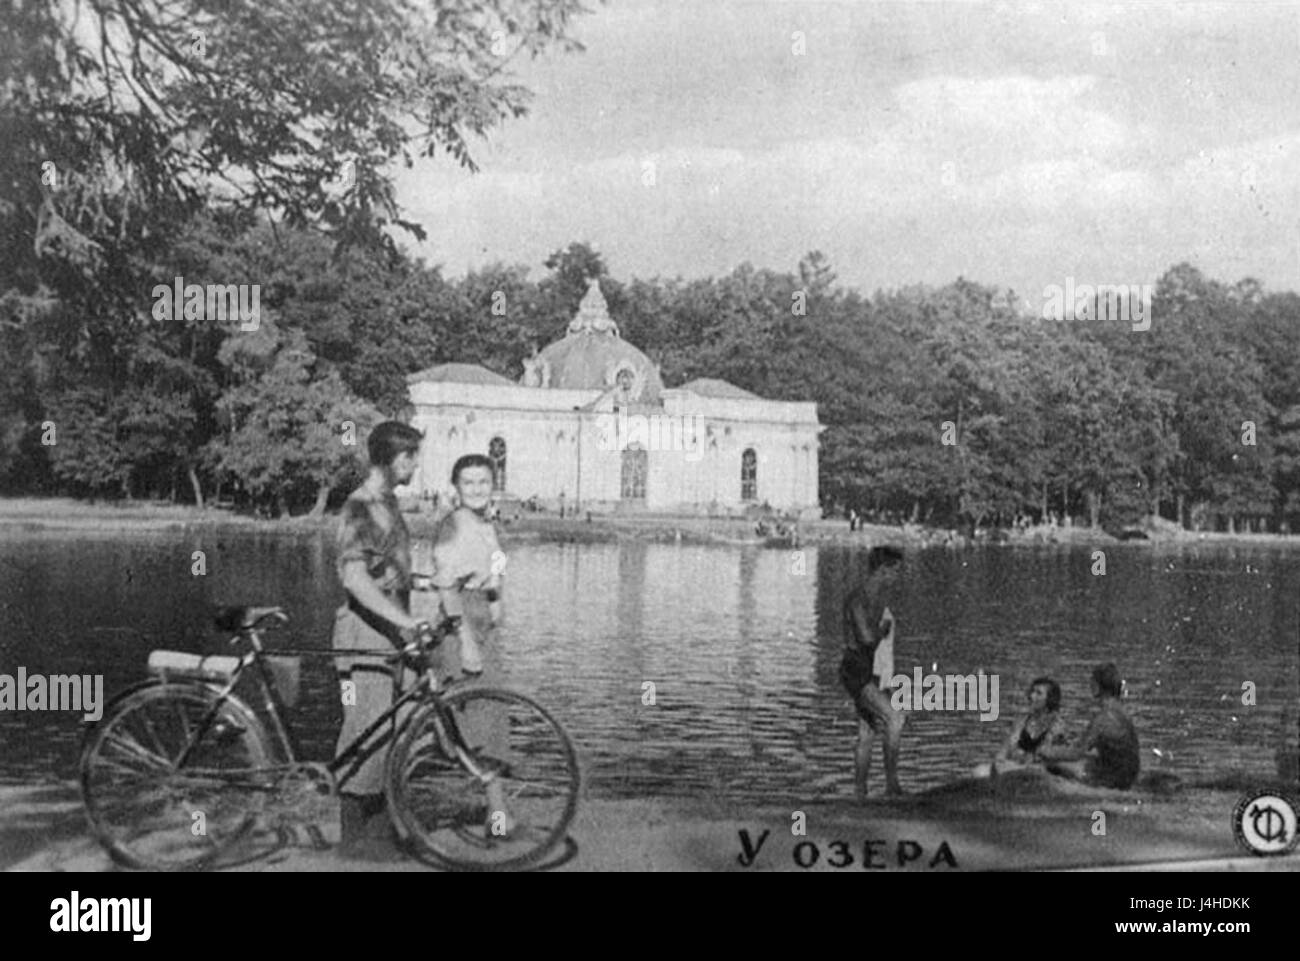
{"x":374,"y":566}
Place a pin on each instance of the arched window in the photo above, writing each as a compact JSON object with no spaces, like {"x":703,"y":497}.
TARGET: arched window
{"x":497,"y":454}
{"x":749,"y":475}
{"x":624,"y":380}
{"x":636,"y":465}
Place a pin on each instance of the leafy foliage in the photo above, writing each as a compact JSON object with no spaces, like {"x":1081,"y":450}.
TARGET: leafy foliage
{"x":254,"y":141}
{"x":292,"y":431}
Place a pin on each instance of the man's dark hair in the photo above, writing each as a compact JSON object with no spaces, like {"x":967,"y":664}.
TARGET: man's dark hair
{"x":470,"y":460}
{"x":881,"y":557}
{"x":1108,"y":679}
{"x":391,"y":438}
{"x":1053,"y":691}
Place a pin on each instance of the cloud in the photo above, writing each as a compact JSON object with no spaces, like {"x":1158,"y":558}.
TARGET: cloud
{"x":994,"y":176}
{"x":1269,"y":166}
{"x":684,"y":162}
{"x":990,"y":117}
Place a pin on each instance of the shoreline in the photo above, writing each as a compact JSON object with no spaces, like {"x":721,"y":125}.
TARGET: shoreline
{"x":65,"y":515}
{"x":965,"y":828}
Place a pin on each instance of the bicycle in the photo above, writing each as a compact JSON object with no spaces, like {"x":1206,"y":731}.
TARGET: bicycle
{"x":179,"y":769}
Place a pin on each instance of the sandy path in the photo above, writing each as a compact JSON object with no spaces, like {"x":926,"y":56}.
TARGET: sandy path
{"x":966,"y":828}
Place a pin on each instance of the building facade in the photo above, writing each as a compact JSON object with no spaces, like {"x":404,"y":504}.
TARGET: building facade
{"x":590,"y":426}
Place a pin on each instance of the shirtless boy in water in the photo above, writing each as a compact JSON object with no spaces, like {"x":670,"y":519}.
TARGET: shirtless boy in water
{"x":868,"y":668}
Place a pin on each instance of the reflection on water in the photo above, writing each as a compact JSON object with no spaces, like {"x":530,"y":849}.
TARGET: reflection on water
{"x":741,"y":646}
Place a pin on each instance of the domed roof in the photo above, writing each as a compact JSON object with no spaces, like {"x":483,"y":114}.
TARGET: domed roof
{"x":592,"y":356}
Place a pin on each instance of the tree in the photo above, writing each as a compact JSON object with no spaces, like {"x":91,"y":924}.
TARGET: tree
{"x":500,"y":319}
{"x":561,"y":291}
{"x":87,"y":451}
{"x":259,"y":98}
{"x":1197,"y":351}
{"x":815,"y":272}
{"x":1287,"y":462}
{"x":121,"y":121}
{"x":292,"y":433}
{"x":1105,"y":429}
{"x":1272,"y":333}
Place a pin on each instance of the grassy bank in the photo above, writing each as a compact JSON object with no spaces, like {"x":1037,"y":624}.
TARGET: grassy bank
{"x":66,"y":514}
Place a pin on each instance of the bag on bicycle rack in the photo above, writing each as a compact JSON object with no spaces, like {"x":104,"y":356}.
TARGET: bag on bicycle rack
{"x":286,"y":675}
{"x":286,"y":672}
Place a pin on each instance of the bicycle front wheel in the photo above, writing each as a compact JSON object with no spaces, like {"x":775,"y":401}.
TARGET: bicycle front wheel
{"x":456,"y":820}
{"x":169,"y":776}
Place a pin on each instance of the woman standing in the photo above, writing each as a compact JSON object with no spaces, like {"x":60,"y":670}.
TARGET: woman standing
{"x":468,"y":564}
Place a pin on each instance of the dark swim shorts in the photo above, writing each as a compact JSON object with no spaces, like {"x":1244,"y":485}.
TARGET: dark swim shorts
{"x":856,"y":672}
{"x":873,"y":704}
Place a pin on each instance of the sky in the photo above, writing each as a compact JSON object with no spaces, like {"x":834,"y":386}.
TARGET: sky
{"x":1014,"y":144}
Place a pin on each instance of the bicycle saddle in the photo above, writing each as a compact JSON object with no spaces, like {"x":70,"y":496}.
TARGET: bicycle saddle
{"x":243,"y":618}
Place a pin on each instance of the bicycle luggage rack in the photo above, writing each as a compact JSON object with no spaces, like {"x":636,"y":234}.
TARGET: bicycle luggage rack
{"x":212,"y":668}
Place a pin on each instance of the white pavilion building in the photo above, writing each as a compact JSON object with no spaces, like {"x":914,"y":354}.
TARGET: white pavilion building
{"x":591,"y":427}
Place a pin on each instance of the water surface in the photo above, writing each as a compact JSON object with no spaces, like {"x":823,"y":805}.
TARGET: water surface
{"x":742,"y":646}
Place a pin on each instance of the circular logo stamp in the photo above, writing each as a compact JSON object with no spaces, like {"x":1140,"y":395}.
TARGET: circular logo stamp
{"x":1265,"y":823}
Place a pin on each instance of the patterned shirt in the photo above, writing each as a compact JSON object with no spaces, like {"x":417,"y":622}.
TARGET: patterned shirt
{"x":371,"y":529}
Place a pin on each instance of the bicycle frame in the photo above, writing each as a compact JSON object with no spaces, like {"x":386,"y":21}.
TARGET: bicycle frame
{"x":426,"y":689}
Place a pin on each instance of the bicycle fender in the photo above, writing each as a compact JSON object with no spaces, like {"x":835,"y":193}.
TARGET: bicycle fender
{"x":123,"y":694}
{"x":214,"y":689}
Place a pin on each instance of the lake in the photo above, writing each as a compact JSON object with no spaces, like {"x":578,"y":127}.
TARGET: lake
{"x":742,"y":646}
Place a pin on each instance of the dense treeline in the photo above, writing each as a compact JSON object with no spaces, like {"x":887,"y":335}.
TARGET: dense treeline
{"x":1085,"y":417}
{"x":130,"y":164}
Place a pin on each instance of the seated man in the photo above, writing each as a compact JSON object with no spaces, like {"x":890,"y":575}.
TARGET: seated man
{"x":1107,"y":755}
{"x":1039,"y":730}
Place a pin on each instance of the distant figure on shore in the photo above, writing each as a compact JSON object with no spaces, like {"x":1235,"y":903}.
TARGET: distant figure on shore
{"x":1037,"y":732}
{"x":853,"y":519}
{"x":868,"y":667}
{"x":1107,"y":754}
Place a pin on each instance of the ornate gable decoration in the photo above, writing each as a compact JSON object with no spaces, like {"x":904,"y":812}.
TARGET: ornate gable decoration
{"x":593,"y":313}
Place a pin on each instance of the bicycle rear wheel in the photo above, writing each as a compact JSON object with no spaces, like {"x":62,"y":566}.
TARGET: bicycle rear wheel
{"x":169,"y":776}
{"x":444,"y":810}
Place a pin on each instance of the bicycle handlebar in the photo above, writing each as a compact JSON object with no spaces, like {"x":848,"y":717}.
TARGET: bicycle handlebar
{"x":426,"y":637}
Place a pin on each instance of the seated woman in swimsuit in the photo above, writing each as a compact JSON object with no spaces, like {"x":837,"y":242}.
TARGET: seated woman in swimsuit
{"x":1035,"y":733}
